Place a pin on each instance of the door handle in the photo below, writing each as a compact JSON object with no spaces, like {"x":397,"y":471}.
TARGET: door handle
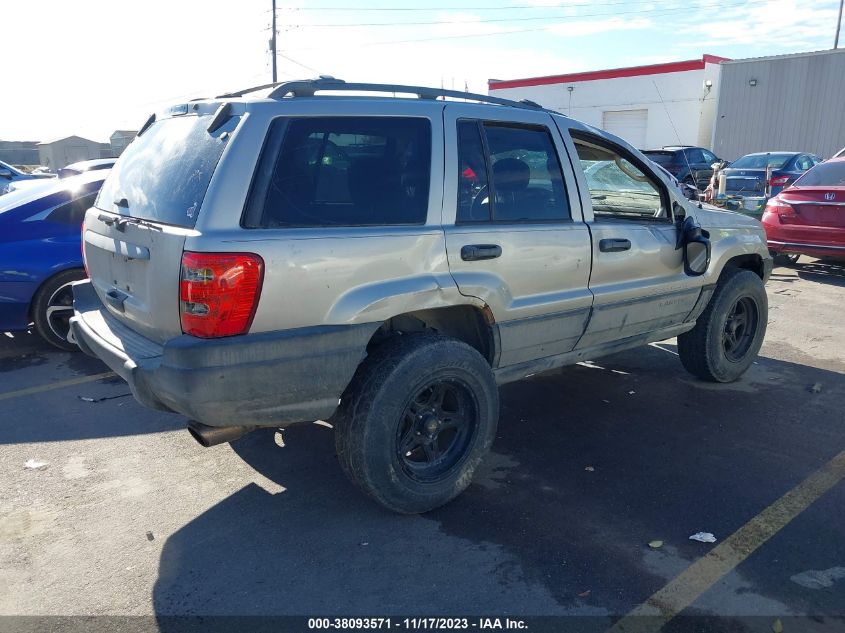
{"x":476,"y":252}
{"x":614,"y":245}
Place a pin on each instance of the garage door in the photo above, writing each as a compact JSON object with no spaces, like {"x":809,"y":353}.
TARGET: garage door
{"x":629,"y":124}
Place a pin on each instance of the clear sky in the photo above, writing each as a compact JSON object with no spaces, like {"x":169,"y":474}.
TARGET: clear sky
{"x":88,"y":67}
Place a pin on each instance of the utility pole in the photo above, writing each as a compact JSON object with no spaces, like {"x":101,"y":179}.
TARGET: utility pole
{"x":273,"y":41}
{"x":838,"y":25}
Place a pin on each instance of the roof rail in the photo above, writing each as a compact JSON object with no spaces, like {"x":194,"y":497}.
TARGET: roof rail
{"x":308,"y":87}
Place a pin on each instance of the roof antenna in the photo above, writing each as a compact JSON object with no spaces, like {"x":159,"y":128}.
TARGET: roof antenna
{"x":680,"y":144}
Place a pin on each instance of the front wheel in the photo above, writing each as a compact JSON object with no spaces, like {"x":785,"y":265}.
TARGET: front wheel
{"x":730,"y":331}
{"x":416,"y":421}
{"x":52,"y":308}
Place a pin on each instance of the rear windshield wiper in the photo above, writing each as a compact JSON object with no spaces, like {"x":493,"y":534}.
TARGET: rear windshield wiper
{"x":120,"y":222}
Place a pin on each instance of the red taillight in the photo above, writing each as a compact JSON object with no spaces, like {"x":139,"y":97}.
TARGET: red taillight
{"x":218,"y":293}
{"x":785,"y":212}
{"x":778,"y":181}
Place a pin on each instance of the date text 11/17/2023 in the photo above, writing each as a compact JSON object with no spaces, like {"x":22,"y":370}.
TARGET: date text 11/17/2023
{"x":416,"y":623}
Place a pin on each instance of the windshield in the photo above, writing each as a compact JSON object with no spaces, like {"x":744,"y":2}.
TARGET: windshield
{"x":824,"y":175}
{"x":761,"y":161}
{"x":163,"y":175}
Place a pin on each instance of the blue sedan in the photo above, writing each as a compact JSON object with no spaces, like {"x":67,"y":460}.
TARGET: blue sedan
{"x":40,"y":253}
{"x":747,"y":176}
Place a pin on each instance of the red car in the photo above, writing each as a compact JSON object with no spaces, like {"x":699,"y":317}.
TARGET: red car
{"x":808,"y":218}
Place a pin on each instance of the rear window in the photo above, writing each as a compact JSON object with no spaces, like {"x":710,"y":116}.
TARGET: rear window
{"x":343,"y":171}
{"x":824,"y":175}
{"x":762,"y":161}
{"x":163,"y":174}
{"x":661,"y":158}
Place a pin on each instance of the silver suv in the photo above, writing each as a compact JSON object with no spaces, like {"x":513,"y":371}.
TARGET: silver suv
{"x":385,"y":263}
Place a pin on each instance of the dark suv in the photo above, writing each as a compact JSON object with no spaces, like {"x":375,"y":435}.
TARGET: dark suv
{"x":695,"y":169}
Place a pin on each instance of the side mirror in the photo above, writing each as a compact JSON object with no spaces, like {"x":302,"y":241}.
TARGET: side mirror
{"x":696,"y":244}
{"x":5,"y":173}
{"x":697,"y":256}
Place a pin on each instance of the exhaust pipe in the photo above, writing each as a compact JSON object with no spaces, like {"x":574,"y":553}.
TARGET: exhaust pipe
{"x":213,"y":435}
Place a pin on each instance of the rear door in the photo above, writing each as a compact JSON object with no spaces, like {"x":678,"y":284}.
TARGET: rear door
{"x":637,"y":279}
{"x":135,"y":233}
{"x":515,"y":236}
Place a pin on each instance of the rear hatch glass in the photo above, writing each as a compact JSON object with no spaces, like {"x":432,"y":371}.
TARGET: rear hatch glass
{"x":160,"y":180}
{"x":164,"y":173}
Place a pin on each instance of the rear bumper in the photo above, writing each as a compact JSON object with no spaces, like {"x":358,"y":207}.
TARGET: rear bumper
{"x":803,"y":248}
{"x":267,"y":379}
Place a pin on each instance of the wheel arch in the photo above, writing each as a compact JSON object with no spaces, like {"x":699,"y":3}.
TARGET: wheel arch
{"x":469,"y":323}
{"x":747,"y":261}
{"x":54,"y":272}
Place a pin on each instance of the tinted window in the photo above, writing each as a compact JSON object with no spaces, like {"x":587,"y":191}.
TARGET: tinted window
{"x":708,"y":157}
{"x":761,"y":161}
{"x":473,"y":194}
{"x":527,"y":182}
{"x":349,"y":171}
{"x":164,"y":174}
{"x":661,"y":158}
{"x":618,"y":188}
{"x":824,"y":175}
{"x":72,"y":212}
{"x":694,"y":156}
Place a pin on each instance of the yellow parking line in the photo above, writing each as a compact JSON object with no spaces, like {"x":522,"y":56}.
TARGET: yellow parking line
{"x":685,"y":589}
{"x":56,"y":385}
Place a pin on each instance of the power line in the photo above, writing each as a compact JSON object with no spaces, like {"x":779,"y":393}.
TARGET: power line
{"x":305,"y":66}
{"x":535,"y":29}
{"x":534,"y":18}
{"x":432,"y":9}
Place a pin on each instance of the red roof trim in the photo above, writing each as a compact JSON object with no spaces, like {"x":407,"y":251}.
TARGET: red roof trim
{"x":634,"y":71}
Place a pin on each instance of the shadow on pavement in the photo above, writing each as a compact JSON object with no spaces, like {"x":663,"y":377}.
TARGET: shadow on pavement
{"x":591,"y":463}
{"x":28,"y":361}
{"x":824,"y":271}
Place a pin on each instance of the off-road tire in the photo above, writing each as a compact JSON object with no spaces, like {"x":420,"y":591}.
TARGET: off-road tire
{"x":41,"y":303}
{"x":373,"y":408}
{"x":702,"y":349}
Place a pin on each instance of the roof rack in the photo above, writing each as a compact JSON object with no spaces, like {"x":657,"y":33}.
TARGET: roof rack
{"x":308,"y":87}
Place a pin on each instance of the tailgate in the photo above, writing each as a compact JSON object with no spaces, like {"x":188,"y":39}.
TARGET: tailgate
{"x":135,"y":271}
{"x":134,"y":235}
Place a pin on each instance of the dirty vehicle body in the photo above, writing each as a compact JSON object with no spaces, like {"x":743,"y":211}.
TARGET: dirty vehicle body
{"x":384,"y":263}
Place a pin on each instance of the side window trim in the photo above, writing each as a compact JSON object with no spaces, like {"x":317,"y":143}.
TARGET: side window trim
{"x":665,"y":199}
{"x":482,"y":125}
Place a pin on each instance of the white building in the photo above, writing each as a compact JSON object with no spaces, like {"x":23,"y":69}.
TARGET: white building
{"x":649,"y":106}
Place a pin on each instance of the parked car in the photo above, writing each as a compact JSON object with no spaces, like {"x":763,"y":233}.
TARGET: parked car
{"x":747,"y":175}
{"x":808,"y":218}
{"x":40,"y":254}
{"x":692,"y":166}
{"x":74,"y":169}
{"x":690,"y":192}
{"x":469,"y":249}
{"x":9,"y":176}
